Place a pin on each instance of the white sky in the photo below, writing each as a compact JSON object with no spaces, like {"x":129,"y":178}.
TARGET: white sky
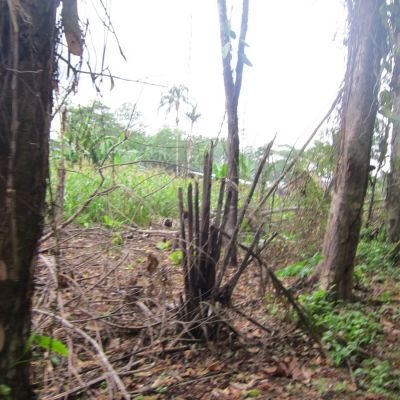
{"x":296,"y":50}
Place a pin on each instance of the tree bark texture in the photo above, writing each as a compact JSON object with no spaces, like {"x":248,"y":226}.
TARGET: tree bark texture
{"x":232,"y":92}
{"x":366,"y":41}
{"x":27,"y":40}
{"x":393,"y":179}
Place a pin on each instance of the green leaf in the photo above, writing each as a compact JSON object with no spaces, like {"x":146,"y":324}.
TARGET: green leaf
{"x":253,"y":393}
{"x":221,"y":171}
{"x":176,"y":257}
{"x":163,"y":245}
{"x":29,"y":342}
{"x":51,"y":344}
{"x":162,"y":389}
{"x":107,"y":220}
{"x":5,"y":390}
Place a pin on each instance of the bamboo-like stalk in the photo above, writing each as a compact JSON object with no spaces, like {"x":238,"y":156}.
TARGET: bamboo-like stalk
{"x":232,"y":241}
{"x":190,"y":244}
{"x":182,"y":240}
{"x":201,"y":243}
{"x":215,"y":227}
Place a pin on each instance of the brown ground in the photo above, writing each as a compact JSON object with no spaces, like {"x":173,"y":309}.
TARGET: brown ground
{"x":107,"y":289}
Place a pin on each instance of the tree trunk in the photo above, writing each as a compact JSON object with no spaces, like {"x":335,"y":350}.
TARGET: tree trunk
{"x":366,"y":40}
{"x":233,"y":176}
{"x":27,"y":38}
{"x":232,"y":92}
{"x":393,"y":182}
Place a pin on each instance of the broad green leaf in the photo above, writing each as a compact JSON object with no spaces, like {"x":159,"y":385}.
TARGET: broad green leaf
{"x":163,"y":245}
{"x":51,"y":344}
{"x":176,"y":257}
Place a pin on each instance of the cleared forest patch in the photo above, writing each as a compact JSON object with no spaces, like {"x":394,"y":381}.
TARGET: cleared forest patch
{"x":121,"y":289}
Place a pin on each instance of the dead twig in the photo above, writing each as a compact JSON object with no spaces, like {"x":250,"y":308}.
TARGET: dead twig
{"x":252,"y":320}
{"x":102,"y":357}
{"x":152,"y":388}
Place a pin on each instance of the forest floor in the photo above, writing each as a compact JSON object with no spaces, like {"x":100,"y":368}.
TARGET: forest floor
{"x":112,"y":304}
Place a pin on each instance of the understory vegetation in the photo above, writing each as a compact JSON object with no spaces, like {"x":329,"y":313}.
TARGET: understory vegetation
{"x":155,"y":263}
{"x":127,"y":189}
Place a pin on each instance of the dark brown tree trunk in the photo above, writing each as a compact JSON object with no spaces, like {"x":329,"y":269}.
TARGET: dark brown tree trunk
{"x":366,"y":42}
{"x":27,"y":38}
{"x":393,"y":182}
{"x":232,"y":92}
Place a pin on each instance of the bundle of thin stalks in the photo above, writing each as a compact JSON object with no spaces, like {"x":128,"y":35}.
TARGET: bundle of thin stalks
{"x":207,"y":248}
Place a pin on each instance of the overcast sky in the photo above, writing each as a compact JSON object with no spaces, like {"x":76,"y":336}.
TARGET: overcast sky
{"x":296,"y":48}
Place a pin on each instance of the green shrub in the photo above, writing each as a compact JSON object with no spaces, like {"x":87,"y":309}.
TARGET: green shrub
{"x":300,"y":269}
{"x":374,"y":261}
{"x":346,"y":328}
{"x":378,"y":376}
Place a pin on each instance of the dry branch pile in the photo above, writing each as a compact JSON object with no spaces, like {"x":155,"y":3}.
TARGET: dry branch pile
{"x":120,"y":316}
{"x":116,"y":301}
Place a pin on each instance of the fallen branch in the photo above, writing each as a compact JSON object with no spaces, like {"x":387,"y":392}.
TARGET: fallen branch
{"x":153,"y":388}
{"x":102,"y":357}
{"x":153,"y":232}
{"x":280,"y":288}
{"x":250,"y":319}
{"x":86,"y":385}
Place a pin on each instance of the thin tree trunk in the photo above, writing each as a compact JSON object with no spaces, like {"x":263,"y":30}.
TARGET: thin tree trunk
{"x":232,"y":92}
{"x":393,"y":182}
{"x":357,"y":125}
{"x":27,"y":38}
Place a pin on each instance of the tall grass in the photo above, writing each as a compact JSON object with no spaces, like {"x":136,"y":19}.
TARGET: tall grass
{"x":138,"y":196}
